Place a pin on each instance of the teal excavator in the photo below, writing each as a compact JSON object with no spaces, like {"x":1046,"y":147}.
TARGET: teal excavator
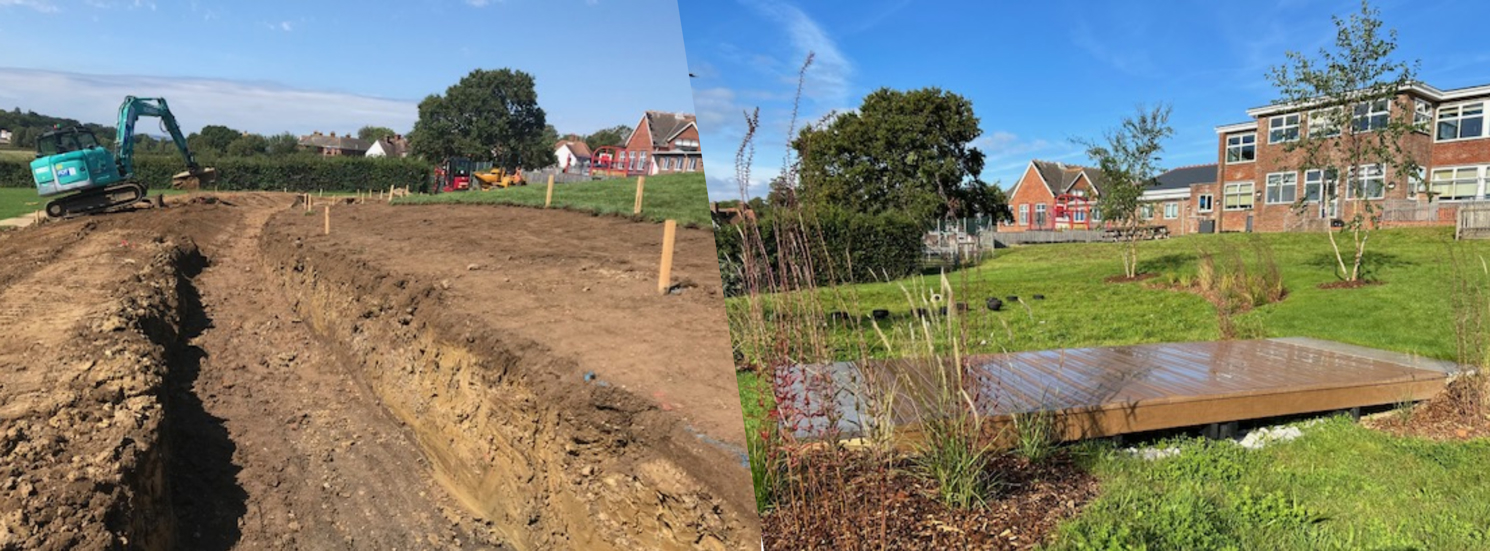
{"x":71,"y":161}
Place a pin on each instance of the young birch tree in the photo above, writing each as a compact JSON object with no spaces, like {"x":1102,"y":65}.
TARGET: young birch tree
{"x":1355,"y":119}
{"x":1129,"y":161}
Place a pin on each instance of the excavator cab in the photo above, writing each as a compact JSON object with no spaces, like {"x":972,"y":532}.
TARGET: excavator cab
{"x":71,"y":159}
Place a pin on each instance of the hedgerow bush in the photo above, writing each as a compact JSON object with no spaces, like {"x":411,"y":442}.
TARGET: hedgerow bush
{"x":854,"y":248}
{"x":298,"y":173}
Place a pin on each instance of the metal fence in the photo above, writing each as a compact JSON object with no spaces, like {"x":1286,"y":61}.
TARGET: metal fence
{"x":1049,"y":236}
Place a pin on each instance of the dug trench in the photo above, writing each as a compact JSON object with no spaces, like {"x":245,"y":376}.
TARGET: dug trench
{"x":298,"y":396}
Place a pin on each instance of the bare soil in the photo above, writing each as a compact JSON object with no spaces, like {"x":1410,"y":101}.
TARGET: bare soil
{"x":857,"y":503}
{"x":216,"y":375}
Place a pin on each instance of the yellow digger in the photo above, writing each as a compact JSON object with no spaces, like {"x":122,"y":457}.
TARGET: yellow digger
{"x":498,"y":177}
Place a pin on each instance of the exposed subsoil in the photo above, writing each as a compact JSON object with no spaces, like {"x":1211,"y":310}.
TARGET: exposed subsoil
{"x":1126,"y":279}
{"x":1348,"y":284}
{"x":216,"y":376}
{"x":1460,"y":412}
{"x":856,"y":503}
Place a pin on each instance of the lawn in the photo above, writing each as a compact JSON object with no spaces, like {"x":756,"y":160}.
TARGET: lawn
{"x":681,"y":197}
{"x":1340,"y":486}
{"x":17,"y":201}
{"x":17,"y":154}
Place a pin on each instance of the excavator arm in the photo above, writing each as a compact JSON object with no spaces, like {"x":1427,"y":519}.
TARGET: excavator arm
{"x":129,"y":113}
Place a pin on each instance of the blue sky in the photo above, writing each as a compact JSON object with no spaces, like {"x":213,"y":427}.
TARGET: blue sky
{"x":271,"y":66}
{"x":1038,"y":73}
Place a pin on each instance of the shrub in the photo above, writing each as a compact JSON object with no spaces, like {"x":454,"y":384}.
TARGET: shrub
{"x":852,"y":247}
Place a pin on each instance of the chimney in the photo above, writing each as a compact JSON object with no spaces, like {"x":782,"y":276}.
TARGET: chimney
{"x":333,"y":134}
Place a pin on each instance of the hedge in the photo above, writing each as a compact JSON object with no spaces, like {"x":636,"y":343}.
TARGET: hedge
{"x":874,"y":245}
{"x":299,"y":173}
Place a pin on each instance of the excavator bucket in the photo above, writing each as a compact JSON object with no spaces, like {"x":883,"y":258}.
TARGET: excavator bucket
{"x":194,"y":179}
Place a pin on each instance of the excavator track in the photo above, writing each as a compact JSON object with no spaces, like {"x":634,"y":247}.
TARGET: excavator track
{"x":100,"y":200}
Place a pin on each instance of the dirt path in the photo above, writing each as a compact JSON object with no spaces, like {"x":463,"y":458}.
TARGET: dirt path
{"x":276,"y":463}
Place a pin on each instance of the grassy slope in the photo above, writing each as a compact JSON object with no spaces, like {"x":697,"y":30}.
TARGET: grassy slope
{"x":1352,"y":487}
{"x":1340,"y":486}
{"x":13,"y":202}
{"x":681,"y":197}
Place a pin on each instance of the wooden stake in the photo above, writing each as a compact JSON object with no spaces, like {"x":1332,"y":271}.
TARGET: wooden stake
{"x":665,"y":278}
{"x":549,"y":199}
{"x":641,"y":182}
{"x":327,"y":211}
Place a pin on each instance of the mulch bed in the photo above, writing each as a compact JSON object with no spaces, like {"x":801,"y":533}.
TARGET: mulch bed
{"x":867,"y":505}
{"x":1459,"y":413}
{"x":1348,"y":284}
{"x":1126,"y":279}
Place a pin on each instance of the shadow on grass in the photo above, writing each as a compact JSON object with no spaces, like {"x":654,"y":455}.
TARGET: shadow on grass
{"x":1167,"y":263}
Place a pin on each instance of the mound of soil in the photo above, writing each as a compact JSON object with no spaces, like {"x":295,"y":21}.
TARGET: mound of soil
{"x":1459,"y":413}
{"x":888,"y":507}
{"x":1348,"y":284}
{"x":1126,"y":279}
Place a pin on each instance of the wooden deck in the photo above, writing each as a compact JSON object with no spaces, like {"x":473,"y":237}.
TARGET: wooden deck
{"x":1108,"y":391}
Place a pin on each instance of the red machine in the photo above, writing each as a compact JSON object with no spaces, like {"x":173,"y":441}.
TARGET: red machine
{"x":1072,"y":212}
{"x":617,"y":162}
{"x":453,"y":175}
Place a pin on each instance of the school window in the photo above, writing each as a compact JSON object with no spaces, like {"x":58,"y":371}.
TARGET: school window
{"x":1461,"y":122}
{"x":1370,"y":115}
{"x":1422,"y":116}
{"x":1205,"y":202}
{"x":1370,"y":184}
{"x":1314,"y":183}
{"x":1457,"y":183}
{"x":1145,"y":211}
{"x":1282,"y":188}
{"x":1079,"y":216}
{"x":1239,"y":196}
{"x":1283,"y":128}
{"x":1323,"y":123}
{"x":1024,"y":215}
{"x":693,"y":164}
{"x":1241,"y":148}
{"x":1040,"y":214}
{"x":1416,"y":182}
{"x":1171,"y":211}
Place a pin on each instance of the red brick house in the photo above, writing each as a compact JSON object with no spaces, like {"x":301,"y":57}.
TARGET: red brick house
{"x":1035,"y":198}
{"x":664,"y":143}
{"x":1259,"y":183}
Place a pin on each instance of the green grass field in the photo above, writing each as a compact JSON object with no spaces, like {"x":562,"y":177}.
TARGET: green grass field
{"x":17,"y":154}
{"x":681,"y":197}
{"x":1341,"y":486}
{"x":17,"y":201}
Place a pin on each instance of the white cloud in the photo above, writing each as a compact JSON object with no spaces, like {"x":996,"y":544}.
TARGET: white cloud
{"x":715,"y":107}
{"x":45,"y":6}
{"x":252,"y":106}
{"x":828,"y":79}
{"x":286,"y":26}
{"x":1001,"y":145}
{"x":478,"y":3}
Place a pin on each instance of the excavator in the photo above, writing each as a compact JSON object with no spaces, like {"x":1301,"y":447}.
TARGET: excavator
{"x":71,"y":161}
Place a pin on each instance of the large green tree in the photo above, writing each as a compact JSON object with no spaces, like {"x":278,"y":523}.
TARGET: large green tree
{"x":1358,"y":122}
{"x":488,"y":115}
{"x":374,"y":133}
{"x":216,"y":138}
{"x":248,"y":145}
{"x":281,"y":145}
{"x":909,"y":152}
{"x":1129,"y":160}
{"x":613,"y":136}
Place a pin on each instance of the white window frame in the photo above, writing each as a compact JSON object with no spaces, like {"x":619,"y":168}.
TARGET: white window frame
{"x":1285,"y":127}
{"x":1278,"y":182}
{"x":1246,"y":200}
{"x":1171,"y":210}
{"x":1456,"y":111}
{"x":1240,"y":147}
{"x":1322,"y":124}
{"x":1040,"y":213}
{"x":1370,"y":114}
{"x":1206,"y":202}
{"x":693,"y":164}
{"x":1422,"y":116}
{"x":1477,"y":172}
{"x":1024,"y":214}
{"x":1078,"y":215}
{"x":1319,"y":177}
{"x":1146,"y":211}
{"x":1371,"y":172}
